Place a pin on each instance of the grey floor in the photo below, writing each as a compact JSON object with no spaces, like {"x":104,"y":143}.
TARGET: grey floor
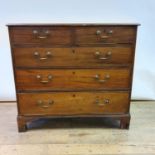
{"x":79,"y":136}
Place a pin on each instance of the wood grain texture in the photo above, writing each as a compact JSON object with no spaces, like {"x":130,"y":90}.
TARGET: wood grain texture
{"x":73,"y":79}
{"x":73,"y":66}
{"x":73,"y":103}
{"x":87,"y":35}
{"x":75,"y":57}
{"x":62,"y":35}
{"x":25,"y":35}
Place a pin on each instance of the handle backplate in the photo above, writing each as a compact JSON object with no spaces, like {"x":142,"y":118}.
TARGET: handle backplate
{"x":47,"y":55}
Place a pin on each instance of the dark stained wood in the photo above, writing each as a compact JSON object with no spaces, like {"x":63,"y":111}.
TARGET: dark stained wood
{"x":73,"y":103}
{"x":73,"y":90}
{"x":23,"y":120}
{"x":73,"y":79}
{"x":22,"y":126}
{"x":62,"y":35}
{"x":125,"y":122}
{"x":25,"y":35}
{"x":87,"y":35}
{"x":77,"y":57}
{"x":132,"y":66}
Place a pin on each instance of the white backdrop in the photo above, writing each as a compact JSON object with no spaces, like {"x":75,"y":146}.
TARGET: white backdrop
{"x":74,"y":11}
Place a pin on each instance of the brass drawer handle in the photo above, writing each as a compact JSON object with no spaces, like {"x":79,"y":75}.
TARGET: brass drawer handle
{"x":104,"y":37}
{"x":48,"y":55}
{"x":107,"y":55}
{"x":103,"y":103}
{"x":49,"y":77}
{"x":41,"y":35}
{"x":107,"y":33}
{"x":45,"y":105}
{"x":106,"y":78}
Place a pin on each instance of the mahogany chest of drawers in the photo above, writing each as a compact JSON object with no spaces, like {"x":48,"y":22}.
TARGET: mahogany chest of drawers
{"x":73,"y":70}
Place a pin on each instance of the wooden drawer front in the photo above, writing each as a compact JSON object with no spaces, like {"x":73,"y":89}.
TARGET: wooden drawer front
{"x":78,"y":79}
{"x":72,"y":57}
{"x":40,"y":35}
{"x":73,"y":103}
{"x":105,"y":34}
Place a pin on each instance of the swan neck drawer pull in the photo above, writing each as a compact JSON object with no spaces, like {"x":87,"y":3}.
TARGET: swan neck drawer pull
{"x":48,"y":55}
{"x":106,"y":78}
{"x":49,"y":78}
{"x":102,"y":103}
{"x":100,"y":57}
{"x":107,"y":33}
{"x":41,"y":35}
{"x":44,"y":104}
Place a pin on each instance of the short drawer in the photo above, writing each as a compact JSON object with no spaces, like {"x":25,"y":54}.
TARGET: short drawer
{"x":72,"y":79}
{"x":105,"y":35}
{"x":40,"y":35}
{"x":73,"y":103}
{"x":72,"y":57}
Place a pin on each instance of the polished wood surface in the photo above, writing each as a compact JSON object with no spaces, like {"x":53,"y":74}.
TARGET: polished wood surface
{"x":73,"y":79}
{"x":73,"y":103}
{"x":45,"y":35}
{"x":73,"y":57}
{"x":27,"y":35}
{"x":118,"y":35}
{"x":73,"y":64}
